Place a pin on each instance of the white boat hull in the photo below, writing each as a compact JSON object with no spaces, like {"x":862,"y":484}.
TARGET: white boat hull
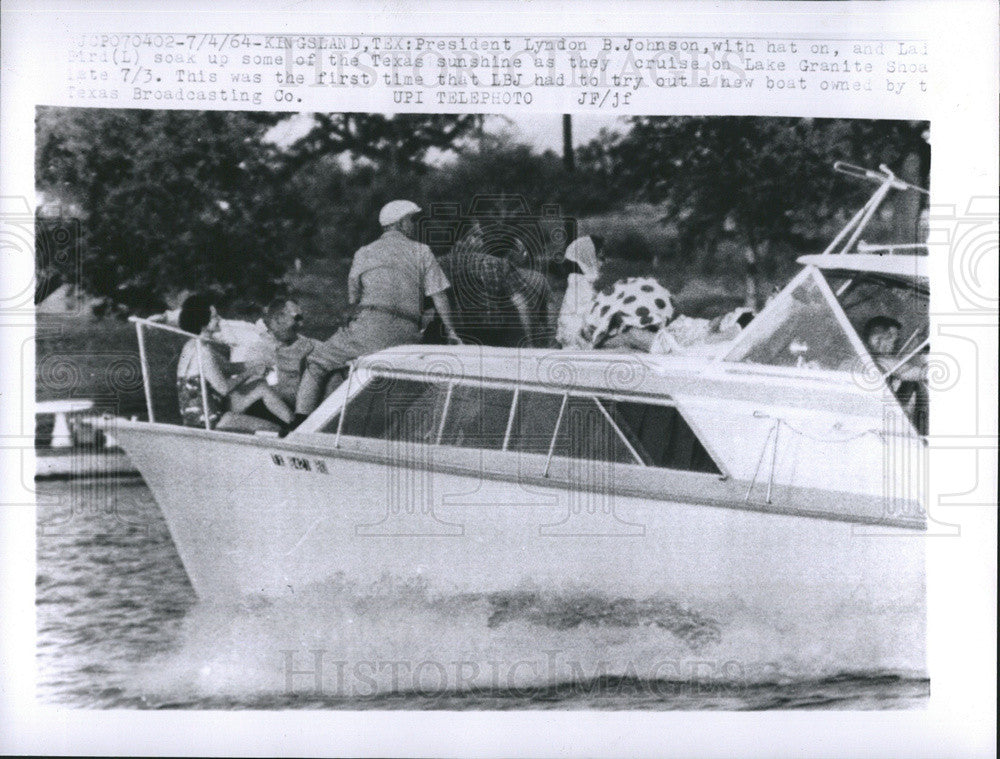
{"x":245,"y":524}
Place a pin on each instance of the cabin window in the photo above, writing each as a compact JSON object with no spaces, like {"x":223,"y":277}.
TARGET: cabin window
{"x":395,"y":409}
{"x":477,"y":417}
{"x":586,"y":433}
{"x":800,"y":328}
{"x":602,"y":429}
{"x":534,"y":421}
{"x":661,"y":436}
{"x":585,"y":427}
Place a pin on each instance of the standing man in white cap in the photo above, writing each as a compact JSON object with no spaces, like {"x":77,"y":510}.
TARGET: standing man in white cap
{"x":387,"y":284}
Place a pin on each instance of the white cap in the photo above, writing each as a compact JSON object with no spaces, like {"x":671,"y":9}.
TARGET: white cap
{"x":395,"y":210}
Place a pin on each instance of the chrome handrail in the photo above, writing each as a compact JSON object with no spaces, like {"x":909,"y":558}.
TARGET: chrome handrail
{"x":146,"y":385}
{"x":868,"y":247}
{"x":170,"y":328}
{"x":887,"y":181}
{"x":883,"y":174}
{"x":140,"y":324}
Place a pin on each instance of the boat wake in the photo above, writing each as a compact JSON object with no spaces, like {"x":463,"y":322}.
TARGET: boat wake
{"x":119,"y":627}
{"x":396,"y":645}
{"x":568,"y":611}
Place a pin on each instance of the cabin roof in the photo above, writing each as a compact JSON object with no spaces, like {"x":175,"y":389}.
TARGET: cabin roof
{"x":557,"y":368}
{"x":901,"y":266}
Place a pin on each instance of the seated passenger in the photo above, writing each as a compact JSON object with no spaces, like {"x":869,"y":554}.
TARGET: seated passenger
{"x":881,"y":338}
{"x":582,"y":268}
{"x":279,"y":354}
{"x":636,"y":303}
{"x":907,"y":382}
{"x":489,"y":296}
{"x":199,"y":317}
{"x":386,"y":285}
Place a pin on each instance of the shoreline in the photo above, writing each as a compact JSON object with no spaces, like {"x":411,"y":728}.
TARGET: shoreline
{"x":82,"y":463}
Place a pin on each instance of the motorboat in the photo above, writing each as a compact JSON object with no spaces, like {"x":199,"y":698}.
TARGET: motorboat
{"x":788,"y":468}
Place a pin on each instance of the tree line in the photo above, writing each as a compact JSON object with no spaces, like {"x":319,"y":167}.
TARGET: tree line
{"x":172,"y":200}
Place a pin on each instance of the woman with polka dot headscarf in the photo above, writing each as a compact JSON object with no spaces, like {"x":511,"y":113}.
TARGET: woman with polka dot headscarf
{"x":636,"y":303}
{"x":685,"y":335}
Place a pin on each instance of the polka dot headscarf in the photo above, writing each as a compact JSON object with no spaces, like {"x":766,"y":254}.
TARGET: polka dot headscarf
{"x":633,"y":303}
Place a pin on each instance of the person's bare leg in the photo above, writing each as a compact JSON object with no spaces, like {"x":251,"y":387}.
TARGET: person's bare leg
{"x":328,"y":358}
{"x":276,"y":406}
{"x":241,"y":400}
{"x":244,"y":396}
{"x":311,"y":388}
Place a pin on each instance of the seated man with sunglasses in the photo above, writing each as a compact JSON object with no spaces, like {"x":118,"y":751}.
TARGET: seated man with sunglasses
{"x":279,"y":355}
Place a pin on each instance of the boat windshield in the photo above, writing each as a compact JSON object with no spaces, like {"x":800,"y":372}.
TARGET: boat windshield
{"x":802,"y":327}
{"x":849,"y":322}
{"x":893,"y":319}
{"x":866,"y":298}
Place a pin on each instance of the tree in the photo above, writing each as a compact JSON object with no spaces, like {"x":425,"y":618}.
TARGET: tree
{"x":599,"y":184}
{"x":171,"y":200}
{"x":400,"y":142}
{"x":766,"y":180}
{"x":488,"y":179}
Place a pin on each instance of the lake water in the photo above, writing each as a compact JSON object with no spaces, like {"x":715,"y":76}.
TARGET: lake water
{"x":120,"y":627}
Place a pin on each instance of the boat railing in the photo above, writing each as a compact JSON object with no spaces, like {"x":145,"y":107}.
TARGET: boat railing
{"x":147,"y":385}
{"x":866,"y":247}
{"x":848,"y":237}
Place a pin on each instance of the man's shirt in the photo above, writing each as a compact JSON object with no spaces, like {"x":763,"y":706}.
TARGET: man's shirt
{"x":482,"y":286}
{"x":286,"y":361}
{"x":395,"y":274}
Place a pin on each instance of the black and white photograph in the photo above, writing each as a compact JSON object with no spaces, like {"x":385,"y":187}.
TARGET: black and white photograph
{"x":499,"y":379}
{"x":454,"y":411}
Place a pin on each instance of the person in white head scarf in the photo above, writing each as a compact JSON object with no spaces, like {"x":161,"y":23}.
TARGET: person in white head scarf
{"x":579,"y":293}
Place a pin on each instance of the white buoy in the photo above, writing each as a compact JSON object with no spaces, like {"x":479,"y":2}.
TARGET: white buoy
{"x":62,"y":436}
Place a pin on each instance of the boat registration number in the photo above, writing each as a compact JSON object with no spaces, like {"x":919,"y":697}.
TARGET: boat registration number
{"x":299,"y":464}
